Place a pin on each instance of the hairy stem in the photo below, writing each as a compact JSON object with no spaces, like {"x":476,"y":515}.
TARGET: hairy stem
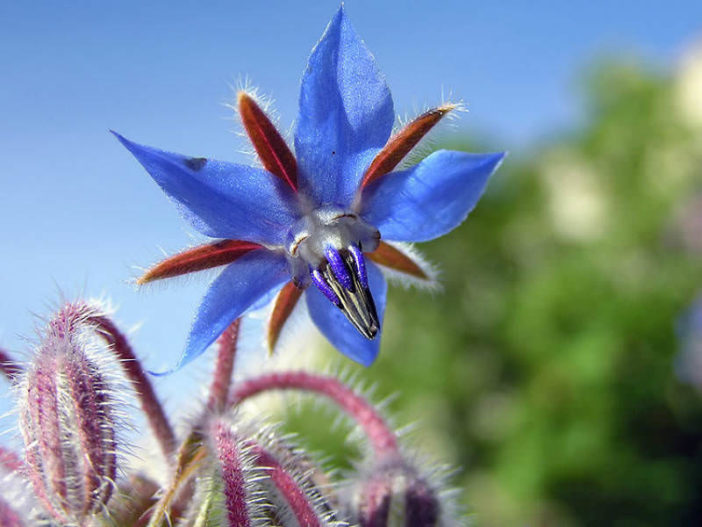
{"x":224,"y":367}
{"x":296,"y":498}
{"x":229,"y":455}
{"x":379,"y":434}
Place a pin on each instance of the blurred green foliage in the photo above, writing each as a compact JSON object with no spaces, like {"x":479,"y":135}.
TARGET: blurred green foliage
{"x":545,"y":369}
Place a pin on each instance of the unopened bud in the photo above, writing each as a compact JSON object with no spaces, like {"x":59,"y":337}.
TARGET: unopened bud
{"x":67,"y":423}
{"x":394,"y":493}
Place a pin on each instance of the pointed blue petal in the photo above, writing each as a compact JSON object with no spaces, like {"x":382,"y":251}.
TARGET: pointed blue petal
{"x":219,"y":199}
{"x":338,"y":330}
{"x":431,"y":198}
{"x":346,"y":115}
{"x":240,"y":286}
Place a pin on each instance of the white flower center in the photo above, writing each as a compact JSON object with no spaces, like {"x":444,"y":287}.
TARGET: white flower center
{"x":322,"y":228}
{"x":325,"y":248}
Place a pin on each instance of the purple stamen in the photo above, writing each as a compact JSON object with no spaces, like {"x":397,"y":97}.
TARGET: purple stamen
{"x":339,"y":267}
{"x":324,"y":287}
{"x":360,"y":263}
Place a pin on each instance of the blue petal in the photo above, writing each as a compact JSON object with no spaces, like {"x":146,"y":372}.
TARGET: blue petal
{"x":241,"y":285}
{"x":338,"y":330}
{"x":431,"y":198}
{"x":222,"y":200}
{"x":346,"y":115}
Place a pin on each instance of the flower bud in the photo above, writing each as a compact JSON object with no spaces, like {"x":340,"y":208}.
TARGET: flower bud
{"x":394,"y":493}
{"x":66,"y":421}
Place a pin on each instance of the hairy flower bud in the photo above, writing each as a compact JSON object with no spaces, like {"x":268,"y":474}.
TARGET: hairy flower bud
{"x":67,"y":422}
{"x":393,"y":492}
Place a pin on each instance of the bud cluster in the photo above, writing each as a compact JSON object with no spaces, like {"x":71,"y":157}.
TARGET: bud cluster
{"x":225,"y":471}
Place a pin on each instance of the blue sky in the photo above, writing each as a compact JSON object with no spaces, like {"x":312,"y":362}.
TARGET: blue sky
{"x":78,"y":213}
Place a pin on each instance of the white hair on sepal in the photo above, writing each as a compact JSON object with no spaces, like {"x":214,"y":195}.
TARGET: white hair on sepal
{"x":401,"y":120}
{"x":138,"y":270}
{"x":428,"y":143}
{"x":426,"y":146}
{"x":245,"y":147}
{"x":433,"y":285}
{"x":205,"y":276}
{"x":456,"y":104}
{"x":289,"y":136}
{"x":267,"y":103}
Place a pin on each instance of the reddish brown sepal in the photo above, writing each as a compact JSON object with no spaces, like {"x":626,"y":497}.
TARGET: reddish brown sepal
{"x":391,"y":257}
{"x":199,"y":259}
{"x":285,"y":302}
{"x":401,"y":143}
{"x":269,"y":144}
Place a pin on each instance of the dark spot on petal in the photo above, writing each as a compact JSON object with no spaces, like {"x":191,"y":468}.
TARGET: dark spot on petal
{"x":333,"y":152}
{"x":195,"y":163}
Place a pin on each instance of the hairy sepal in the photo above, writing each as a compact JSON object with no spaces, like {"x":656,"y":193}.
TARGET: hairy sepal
{"x":403,"y":142}
{"x":270,"y":146}
{"x":403,"y":264}
{"x":199,"y":258}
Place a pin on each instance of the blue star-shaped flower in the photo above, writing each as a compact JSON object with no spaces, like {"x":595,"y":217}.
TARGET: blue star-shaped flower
{"x":313,"y":222}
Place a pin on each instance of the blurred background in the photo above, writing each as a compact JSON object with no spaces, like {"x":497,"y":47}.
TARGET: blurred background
{"x":560,"y":369}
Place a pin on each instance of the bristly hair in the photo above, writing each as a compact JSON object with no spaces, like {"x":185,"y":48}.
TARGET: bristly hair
{"x":303,"y":467}
{"x":267,"y":103}
{"x":428,"y":143}
{"x":432,"y":284}
{"x":211,"y":493}
{"x":69,"y":343}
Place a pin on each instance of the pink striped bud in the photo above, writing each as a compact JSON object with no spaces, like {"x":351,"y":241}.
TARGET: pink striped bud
{"x":66,"y":421}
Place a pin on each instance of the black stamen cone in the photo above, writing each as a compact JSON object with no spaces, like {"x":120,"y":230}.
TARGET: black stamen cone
{"x":357,"y":302}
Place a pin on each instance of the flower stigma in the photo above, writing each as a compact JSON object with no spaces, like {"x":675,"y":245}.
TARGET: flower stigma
{"x":326,"y":249}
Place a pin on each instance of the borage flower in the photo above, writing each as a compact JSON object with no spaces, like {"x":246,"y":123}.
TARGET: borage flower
{"x":317,"y":223}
